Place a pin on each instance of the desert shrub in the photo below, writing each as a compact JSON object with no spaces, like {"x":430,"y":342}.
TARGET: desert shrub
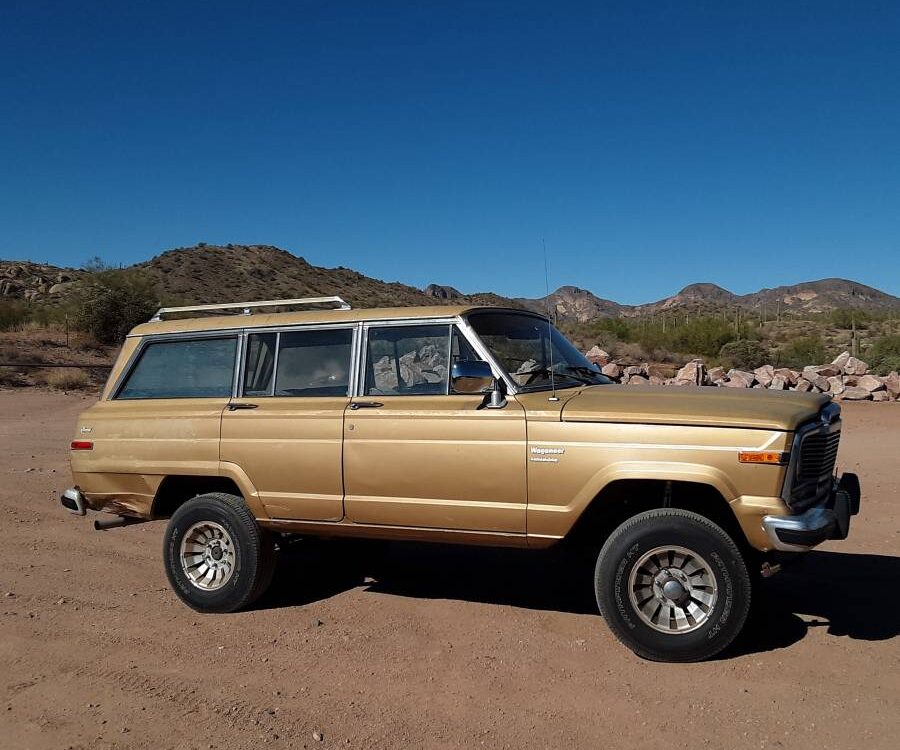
{"x":846,"y":318}
{"x":806,"y":350}
{"x":12,"y":315}
{"x":745,"y":354}
{"x":884,"y":354}
{"x":67,"y":378}
{"x":114,"y":302}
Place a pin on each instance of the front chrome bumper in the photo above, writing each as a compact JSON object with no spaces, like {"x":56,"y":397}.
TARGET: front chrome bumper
{"x":828,"y":520}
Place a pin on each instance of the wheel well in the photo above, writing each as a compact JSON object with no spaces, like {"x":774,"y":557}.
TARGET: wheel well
{"x":624,"y":498}
{"x":175,"y":491}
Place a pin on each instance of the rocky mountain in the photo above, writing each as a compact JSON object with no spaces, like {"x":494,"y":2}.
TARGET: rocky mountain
{"x":572,"y":303}
{"x":210,"y":273}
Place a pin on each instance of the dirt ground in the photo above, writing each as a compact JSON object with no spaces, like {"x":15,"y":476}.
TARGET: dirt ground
{"x":421,"y":645}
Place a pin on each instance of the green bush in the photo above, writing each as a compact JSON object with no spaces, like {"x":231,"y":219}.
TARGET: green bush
{"x":884,"y":355}
{"x":803,"y":351}
{"x":113,"y":303}
{"x":745,"y":354}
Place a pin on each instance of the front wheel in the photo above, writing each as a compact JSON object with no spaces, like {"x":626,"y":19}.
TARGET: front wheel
{"x":672,"y":586}
{"x":217,"y":557}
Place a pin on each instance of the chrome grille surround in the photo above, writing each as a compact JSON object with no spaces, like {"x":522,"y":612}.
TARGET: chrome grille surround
{"x":810,"y":475}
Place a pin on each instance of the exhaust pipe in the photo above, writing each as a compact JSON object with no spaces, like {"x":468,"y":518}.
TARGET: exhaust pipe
{"x":101,"y":524}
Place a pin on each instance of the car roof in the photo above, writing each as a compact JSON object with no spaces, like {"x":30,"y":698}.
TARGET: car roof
{"x":311,"y":317}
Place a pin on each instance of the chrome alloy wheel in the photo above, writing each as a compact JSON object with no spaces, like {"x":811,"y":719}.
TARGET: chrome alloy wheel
{"x":672,"y":589}
{"x":207,"y":555}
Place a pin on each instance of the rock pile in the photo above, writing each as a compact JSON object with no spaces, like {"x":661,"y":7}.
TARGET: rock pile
{"x":847,"y":378}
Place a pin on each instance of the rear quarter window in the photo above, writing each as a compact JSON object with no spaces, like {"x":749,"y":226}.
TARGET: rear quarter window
{"x":191,"y":368}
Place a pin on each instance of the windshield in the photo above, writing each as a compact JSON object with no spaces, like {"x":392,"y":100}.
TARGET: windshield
{"x":522,"y":344}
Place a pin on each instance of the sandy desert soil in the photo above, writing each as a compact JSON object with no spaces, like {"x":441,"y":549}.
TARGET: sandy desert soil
{"x":420,"y":646}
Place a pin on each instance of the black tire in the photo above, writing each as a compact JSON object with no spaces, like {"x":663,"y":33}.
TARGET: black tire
{"x":642,"y":535}
{"x":253,"y":551}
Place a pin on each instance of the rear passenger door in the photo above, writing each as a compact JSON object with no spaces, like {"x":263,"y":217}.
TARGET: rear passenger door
{"x":285,"y":426}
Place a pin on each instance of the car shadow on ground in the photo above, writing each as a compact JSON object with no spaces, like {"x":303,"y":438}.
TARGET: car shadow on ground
{"x":842,"y":592}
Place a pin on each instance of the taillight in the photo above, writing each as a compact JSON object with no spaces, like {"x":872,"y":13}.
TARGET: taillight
{"x":82,"y":445}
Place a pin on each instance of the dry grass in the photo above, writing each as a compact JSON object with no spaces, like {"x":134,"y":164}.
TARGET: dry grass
{"x":67,"y":378}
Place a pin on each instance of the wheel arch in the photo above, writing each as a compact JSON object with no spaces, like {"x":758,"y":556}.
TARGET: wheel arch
{"x":629,"y":493}
{"x":176,"y":489}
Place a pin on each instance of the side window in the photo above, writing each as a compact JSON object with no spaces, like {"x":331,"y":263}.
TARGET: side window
{"x":314,"y":363}
{"x":308,"y":363}
{"x":190,"y":368}
{"x":407,"y":360}
{"x":259,"y":364}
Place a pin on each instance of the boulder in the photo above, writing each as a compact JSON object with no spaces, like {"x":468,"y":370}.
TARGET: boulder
{"x":764,"y":375}
{"x":631,"y":370}
{"x":870,"y":383}
{"x":855,"y":393}
{"x":736,"y":383}
{"x":778,"y":383}
{"x":828,"y":371}
{"x":855,"y":366}
{"x":841,"y":360}
{"x":596,"y":355}
{"x":835,"y":385}
{"x":716,"y":374}
{"x":803,"y":385}
{"x":612,"y":370}
{"x":790,"y":376}
{"x":656,"y":380}
{"x":60,"y":287}
{"x":637,"y":379}
{"x":693,"y":373}
{"x":813,"y":376}
{"x":748,"y":377}
{"x":892,"y":384}
{"x":881,"y":396}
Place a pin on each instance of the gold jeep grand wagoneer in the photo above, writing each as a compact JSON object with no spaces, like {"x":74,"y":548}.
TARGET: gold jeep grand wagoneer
{"x":455,"y":424}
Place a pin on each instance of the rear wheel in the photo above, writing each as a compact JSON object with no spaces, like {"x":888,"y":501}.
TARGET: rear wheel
{"x":217,"y":557}
{"x":672,"y":586}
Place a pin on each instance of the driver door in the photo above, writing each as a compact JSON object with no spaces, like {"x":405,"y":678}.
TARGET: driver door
{"x":416,"y":454}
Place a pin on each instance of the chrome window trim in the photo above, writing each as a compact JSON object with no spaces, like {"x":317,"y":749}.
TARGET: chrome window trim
{"x":299,"y":328}
{"x":481,"y":349}
{"x":157,"y":338}
{"x":365,"y":326}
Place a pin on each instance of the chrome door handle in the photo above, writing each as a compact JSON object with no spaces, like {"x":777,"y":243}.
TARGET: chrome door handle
{"x":366,"y":405}
{"x":235,"y":407}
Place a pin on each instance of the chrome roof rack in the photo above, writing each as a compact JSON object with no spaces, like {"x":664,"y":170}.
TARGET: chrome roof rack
{"x":248,"y":307}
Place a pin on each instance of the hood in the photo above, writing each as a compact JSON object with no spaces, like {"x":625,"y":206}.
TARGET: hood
{"x":697,"y":405}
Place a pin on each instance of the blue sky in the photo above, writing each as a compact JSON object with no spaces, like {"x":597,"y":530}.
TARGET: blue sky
{"x":651,"y":144}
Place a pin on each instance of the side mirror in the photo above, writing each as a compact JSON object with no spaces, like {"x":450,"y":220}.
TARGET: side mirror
{"x":471,"y":376}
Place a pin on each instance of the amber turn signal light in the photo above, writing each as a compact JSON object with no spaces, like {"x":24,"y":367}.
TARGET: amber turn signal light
{"x":763,"y":457}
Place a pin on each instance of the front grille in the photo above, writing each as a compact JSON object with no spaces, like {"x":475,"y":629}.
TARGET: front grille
{"x":814,"y":468}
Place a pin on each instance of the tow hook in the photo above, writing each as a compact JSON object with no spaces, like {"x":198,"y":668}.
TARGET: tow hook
{"x":768,"y":569}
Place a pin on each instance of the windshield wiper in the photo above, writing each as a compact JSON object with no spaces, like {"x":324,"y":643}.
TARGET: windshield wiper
{"x":589,"y":372}
{"x":555,"y":373}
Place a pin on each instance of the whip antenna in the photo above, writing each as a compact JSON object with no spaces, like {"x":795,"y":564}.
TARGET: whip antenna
{"x":553,"y":396}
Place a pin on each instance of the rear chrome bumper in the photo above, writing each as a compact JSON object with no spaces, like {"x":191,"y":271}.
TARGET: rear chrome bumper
{"x":73,"y":501}
{"x":828,"y":520}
